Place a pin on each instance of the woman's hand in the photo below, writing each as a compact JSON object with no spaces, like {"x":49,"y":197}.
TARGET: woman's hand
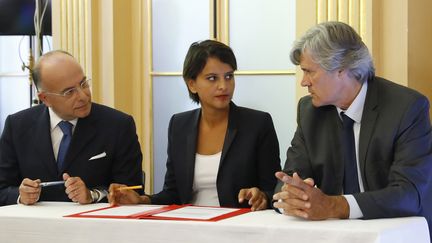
{"x":257,"y":198}
{"x":116,"y":196}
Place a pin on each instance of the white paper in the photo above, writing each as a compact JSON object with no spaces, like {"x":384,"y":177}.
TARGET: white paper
{"x":126,"y":210}
{"x":193,"y":212}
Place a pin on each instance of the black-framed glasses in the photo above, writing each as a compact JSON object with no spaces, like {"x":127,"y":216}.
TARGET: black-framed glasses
{"x":84,"y":84}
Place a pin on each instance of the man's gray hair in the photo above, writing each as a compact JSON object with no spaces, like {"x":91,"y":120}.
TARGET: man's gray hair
{"x":336,"y":46}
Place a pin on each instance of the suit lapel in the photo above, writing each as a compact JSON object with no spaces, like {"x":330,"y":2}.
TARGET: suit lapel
{"x":338,"y":163}
{"x":42,"y":141}
{"x":84,"y":133}
{"x":231,"y":132}
{"x":191,"y":145}
{"x":367,"y":124}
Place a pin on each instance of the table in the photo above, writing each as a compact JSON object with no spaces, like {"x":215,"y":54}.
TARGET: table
{"x":44,"y":222}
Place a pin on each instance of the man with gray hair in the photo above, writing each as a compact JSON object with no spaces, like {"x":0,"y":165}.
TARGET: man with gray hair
{"x":363,"y":145}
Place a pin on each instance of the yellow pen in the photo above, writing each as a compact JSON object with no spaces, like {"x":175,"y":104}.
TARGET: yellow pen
{"x":130,"y":187}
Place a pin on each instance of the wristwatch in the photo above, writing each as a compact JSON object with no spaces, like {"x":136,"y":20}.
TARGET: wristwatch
{"x":94,"y":196}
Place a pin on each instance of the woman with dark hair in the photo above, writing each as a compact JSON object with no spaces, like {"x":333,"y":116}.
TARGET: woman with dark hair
{"x":220,"y":154}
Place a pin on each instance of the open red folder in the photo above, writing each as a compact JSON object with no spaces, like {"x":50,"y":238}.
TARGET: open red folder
{"x":171,"y":212}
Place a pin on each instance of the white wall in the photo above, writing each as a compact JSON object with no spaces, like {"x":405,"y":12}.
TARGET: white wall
{"x":261,"y":33}
{"x":14,"y":82}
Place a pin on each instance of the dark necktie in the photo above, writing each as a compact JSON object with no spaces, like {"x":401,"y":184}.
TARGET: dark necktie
{"x":351,"y":184}
{"x":66,"y":128}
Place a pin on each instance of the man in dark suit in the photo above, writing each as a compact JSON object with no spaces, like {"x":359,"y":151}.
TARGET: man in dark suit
{"x":99,"y":147}
{"x":384,"y":170}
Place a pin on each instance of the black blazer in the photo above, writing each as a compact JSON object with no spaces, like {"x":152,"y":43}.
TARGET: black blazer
{"x":395,"y":151}
{"x":250,"y":157}
{"x":26,"y":151}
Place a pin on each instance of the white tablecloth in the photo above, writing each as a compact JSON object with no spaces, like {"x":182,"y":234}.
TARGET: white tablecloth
{"x":45,"y":223}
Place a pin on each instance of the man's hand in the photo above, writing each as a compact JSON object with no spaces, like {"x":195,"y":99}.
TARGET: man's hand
{"x":29,"y":191}
{"x":301,"y":199}
{"x":76,"y":189}
{"x":117,"y":196}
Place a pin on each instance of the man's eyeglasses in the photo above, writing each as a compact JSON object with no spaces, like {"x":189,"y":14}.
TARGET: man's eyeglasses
{"x":85,"y":84}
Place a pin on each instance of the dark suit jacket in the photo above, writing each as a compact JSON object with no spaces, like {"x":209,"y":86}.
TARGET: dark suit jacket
{"x":26,"y":152}
{"x":250,"y":157}
{"x":395,"y":151}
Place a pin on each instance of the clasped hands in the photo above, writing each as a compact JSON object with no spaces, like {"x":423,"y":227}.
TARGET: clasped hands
{"x":76,"y":190}
{"x":255,"y":197}
{"x":300,"y":198}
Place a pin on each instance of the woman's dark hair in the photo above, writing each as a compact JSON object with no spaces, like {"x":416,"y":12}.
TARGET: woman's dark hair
{"x":196,"y":59}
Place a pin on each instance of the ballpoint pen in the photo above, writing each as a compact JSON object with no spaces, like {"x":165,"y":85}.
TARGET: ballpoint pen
{"x":51,"y":183}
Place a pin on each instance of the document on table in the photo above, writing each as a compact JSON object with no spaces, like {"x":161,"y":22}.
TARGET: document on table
{"x":123,"y":211}
{"x":195,"y":212}
{"x":161,"y":212}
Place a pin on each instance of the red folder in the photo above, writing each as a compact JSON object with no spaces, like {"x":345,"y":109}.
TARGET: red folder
{"x":171,"y":212}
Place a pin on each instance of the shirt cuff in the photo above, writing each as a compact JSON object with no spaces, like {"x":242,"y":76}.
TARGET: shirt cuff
{"x":102,"y":194}
{"x":355,"y":211}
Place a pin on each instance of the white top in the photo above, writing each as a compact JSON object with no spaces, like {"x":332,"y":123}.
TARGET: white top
{"x":204,"y":185}
{"x":56,"y":132}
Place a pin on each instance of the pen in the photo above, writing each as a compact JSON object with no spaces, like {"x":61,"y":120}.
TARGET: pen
{"x":51,"y":183}
{"x":129,"y":187}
